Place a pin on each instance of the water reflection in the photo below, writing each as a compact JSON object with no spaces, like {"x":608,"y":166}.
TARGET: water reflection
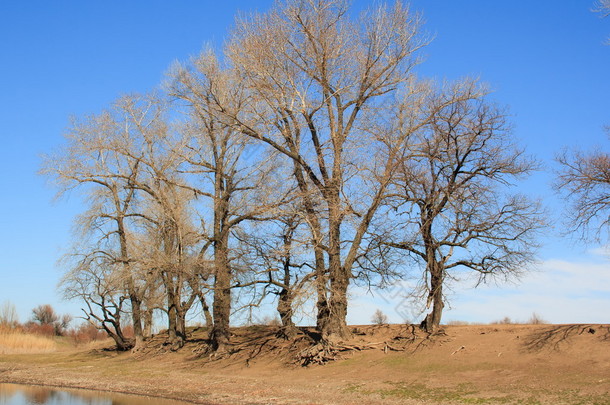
{"x":17,"y":394}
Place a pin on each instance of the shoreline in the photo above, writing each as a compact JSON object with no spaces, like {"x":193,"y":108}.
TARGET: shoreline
{"x":91,"y":389}
{"x":542,"y":364}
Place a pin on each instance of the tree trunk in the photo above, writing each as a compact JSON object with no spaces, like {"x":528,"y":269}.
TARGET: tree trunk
{"x":336,"y":325}
{"x":171,"y":319}
{"x":122,"y":344}
{"x":136,"y":318}
{"x":181,"y":322}
{"x":222,"y":295}
{"x":115,"y":332}
{"x":134,"y":296}
{"x":174,"y":335}
{"x":435,"y":298}
{"x":322,"y":307}
{"x":209,"y":321}
{"x":286,"y":295}
{"x":284,"y":308}
{"x":335,"y":328}
{"x":147,"y":321}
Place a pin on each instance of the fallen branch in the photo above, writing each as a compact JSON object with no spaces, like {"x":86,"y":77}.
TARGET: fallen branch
{"x":455,"y":351}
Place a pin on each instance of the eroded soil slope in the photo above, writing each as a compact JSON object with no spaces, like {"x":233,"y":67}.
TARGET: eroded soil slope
{"x":536,"y":364}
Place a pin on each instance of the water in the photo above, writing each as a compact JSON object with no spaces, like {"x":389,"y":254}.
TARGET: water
{"x":17,"y":394}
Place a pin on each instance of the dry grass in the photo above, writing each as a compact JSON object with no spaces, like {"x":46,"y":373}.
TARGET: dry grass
{"x":13,"y":341}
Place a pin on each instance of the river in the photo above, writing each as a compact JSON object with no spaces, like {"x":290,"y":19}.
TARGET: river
{"x":18,"y":394}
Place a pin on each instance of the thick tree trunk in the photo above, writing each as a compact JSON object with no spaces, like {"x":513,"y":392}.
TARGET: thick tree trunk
{"x":171,"y":320}
{"x":122,"y":344}
{"x":181,"y":322}
{"x":176,"y":331}
{"x":435,"y":298}
{"x":322,"y":307}
{"x":114,"y":331}
{"x":334,"y":327}
{"x":284,"y":308}
{"x":221,"y":311}
{"x":134,"y":296}
{"x":147,"y":323}
{"x":222,"y":295}
{"x":136,"y":318}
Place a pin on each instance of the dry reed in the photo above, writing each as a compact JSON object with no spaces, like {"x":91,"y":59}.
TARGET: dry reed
{"x":13,"y":341}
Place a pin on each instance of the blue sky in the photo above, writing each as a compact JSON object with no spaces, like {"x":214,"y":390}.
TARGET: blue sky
{"x":545,"y":60}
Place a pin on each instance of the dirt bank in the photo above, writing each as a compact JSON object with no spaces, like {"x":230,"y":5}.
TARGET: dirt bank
{"x":536,"y":364}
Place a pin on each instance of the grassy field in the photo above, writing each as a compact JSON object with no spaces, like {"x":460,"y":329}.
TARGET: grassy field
{"x":395,"y":364}
{"x":15,"y":341}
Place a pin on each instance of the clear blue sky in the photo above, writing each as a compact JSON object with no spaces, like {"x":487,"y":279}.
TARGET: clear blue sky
{"x":546,"y":60}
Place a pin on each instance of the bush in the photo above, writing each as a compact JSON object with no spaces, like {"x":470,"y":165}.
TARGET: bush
{"x":86,"y":333}
{"x":39,"y":329}
{"x":379,"y":318}
{"x":45,"y":316}
{"x":535,"y":319}
{"x":505,"y":321}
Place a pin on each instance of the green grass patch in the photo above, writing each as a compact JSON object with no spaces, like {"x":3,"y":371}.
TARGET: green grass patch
{"x":467,"y":394}
{"x":462,"y":394}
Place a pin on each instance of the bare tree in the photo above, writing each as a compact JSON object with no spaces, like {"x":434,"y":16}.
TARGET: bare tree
{"x":282,"y":261}
{"x":584,"y":179}
{"x":316,"y":82}
{"x":379,"y":318}
{"x":8,"y":314}
{"x":291,"y":282}
{"x":94,"y":160}
{"x":453,"y":201}
{"x":225,"y":172}
{"x":313,"y":125}
{"x":46,"y":315}
{"x":94,"y":280}
{"x":168,"y":239}
{"x":169,"y":250}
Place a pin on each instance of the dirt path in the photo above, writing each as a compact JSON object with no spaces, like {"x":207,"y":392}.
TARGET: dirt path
{"x":541,"y":364}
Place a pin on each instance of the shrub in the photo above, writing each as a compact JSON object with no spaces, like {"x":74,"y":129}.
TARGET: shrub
{"x":504,"y":321}
{"x":86,"y":333}
{"x":45,"y":316}
{"x":39,"y":329}
{"x":535,"y":319}
{"x":379,"y":318}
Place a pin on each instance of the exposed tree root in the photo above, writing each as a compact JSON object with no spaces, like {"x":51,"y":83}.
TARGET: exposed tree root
{"x":249,"y":344}
{"x":323,"y":353}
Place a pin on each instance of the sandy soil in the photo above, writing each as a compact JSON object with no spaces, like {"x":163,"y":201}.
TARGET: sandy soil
{"x":487,"y":364}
